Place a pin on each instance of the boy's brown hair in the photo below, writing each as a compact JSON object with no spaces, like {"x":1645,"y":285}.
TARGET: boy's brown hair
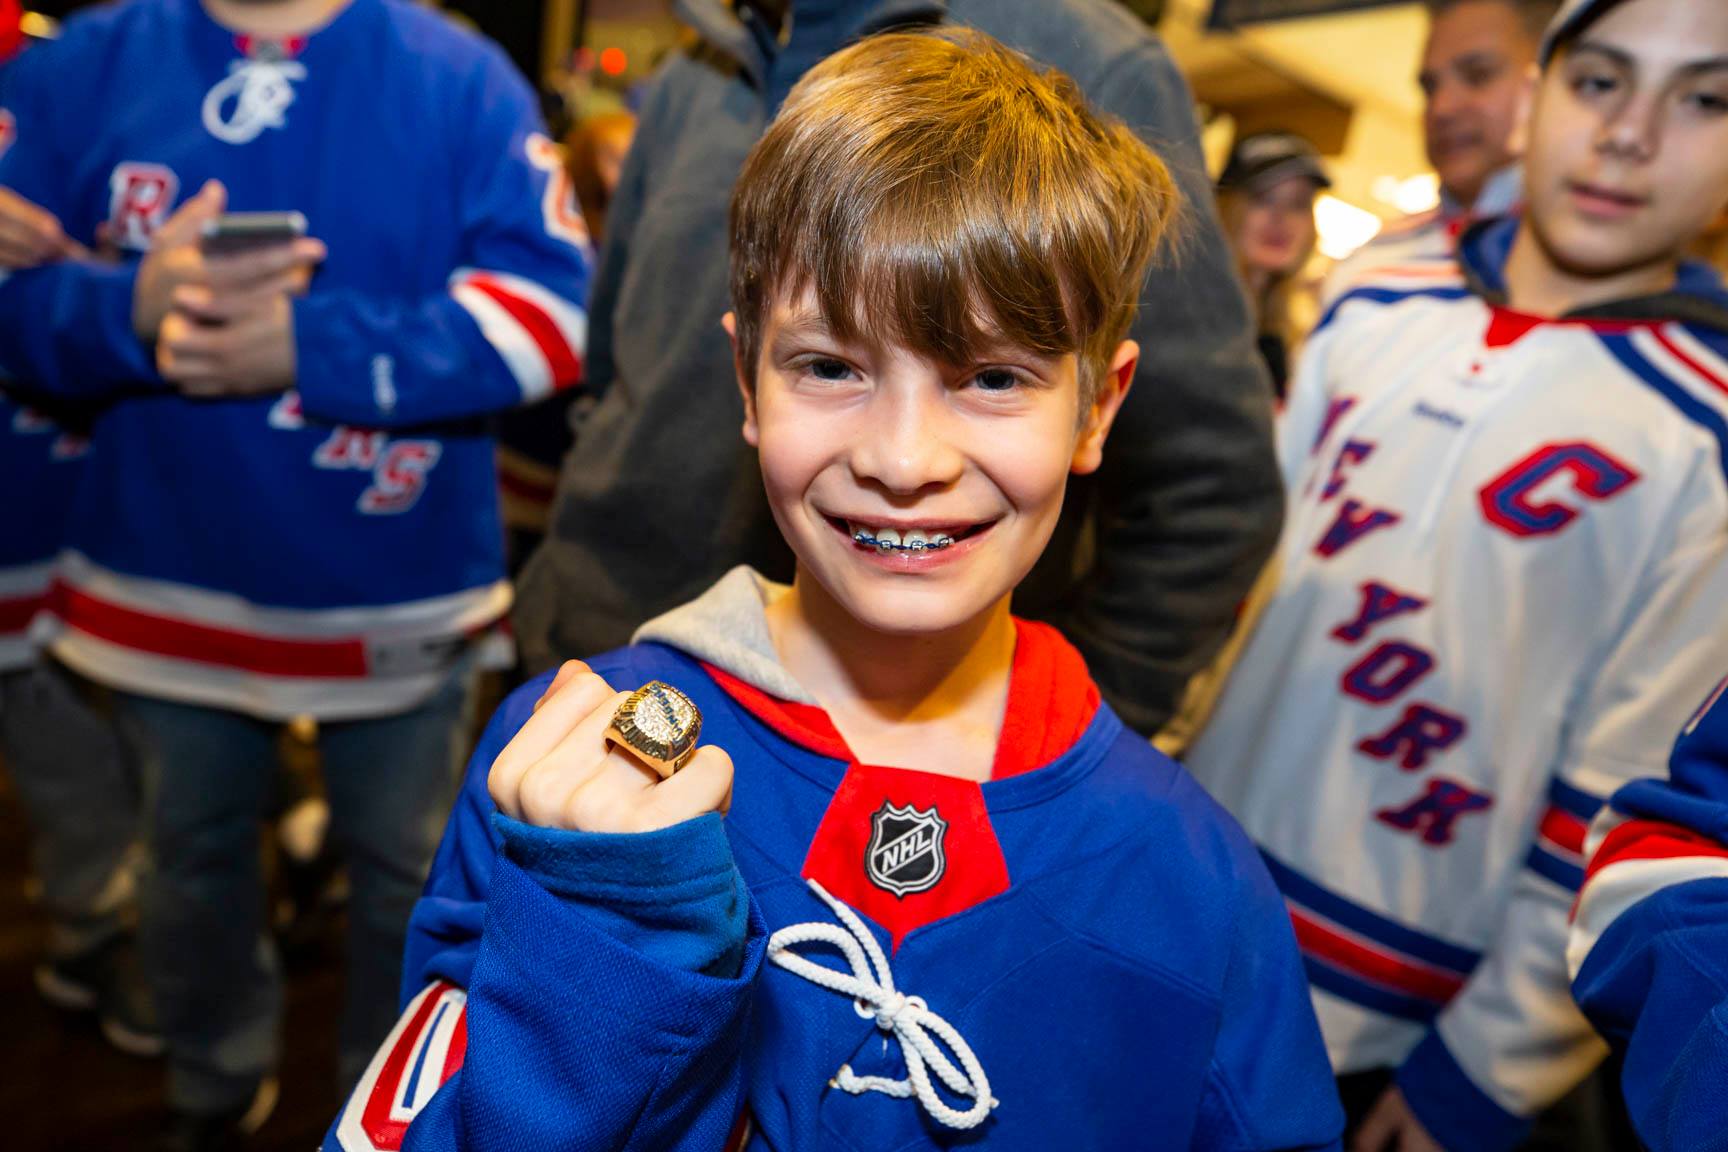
{"x":940,"y":192}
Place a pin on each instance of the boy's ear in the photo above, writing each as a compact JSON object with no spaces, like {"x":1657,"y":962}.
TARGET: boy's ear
{"x":1112,"y":390}
{"x":746,"y":387}
{"x":1520,"y":138}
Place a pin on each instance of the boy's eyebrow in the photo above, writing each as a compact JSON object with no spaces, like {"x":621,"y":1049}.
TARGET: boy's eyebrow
{"x":1713,"y":64}
{"x":805,"y":322}
{"x":1616,"y":55}
{"x":1625,"y":60}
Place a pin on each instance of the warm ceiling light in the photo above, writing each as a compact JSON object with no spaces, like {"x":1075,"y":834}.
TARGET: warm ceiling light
{"x":1343,"y":227}
{"x":1410,"y":196}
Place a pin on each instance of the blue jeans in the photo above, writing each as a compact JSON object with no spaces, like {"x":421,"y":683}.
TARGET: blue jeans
{"x":208,"y":776}
{"x":80,"y":798}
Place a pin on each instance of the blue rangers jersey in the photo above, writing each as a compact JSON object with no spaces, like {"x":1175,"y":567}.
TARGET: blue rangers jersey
{"x":1649,"y":945}
{"x":330,"y":549}
{"x":39,"y":467}
{"x":1081,"y":953}
{"x":1504,"y":570}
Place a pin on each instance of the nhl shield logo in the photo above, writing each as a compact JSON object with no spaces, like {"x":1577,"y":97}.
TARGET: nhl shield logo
{"x":905,"y":852}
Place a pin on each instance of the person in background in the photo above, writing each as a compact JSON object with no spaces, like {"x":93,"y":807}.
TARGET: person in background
{"x":532,"y":441}
{"x":1648,"y":949}
{"x":290,"y":504}
{"x":1476,"y":84}
{"x":1505,"y":573}
{"x":594,"y":155}
{"x":78,"y":790}
{"x":655,"y":502}
{"x":1266,"y":198}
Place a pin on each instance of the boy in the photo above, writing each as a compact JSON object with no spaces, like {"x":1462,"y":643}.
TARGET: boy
{"x":1053,"y":939}
{"x":1507,"y":562}
{"x":1649,"y":944}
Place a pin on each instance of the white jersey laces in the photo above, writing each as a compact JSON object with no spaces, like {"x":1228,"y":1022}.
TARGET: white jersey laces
{"x":908,"y":1018}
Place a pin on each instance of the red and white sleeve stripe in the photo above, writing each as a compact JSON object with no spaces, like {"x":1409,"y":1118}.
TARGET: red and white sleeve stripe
{"x":1633,"y":859}
{"x":541,"y":336}
{"x":423,"y":1051}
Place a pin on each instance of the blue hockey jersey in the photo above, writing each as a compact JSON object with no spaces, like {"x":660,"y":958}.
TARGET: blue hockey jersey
{"x":330,"y":549}
{"x":1649,"y":946}
{"x":1094,"y":932}
{"x":39,"y":467}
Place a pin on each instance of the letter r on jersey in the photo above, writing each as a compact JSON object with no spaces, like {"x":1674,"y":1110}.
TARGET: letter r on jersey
{"x":1435,"y":813}
{"x":140,"y":197}
{"x":1421,"y":732}
{"x":1510,"y":500}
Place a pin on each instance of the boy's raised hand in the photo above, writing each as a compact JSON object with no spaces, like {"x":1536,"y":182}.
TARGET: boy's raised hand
{"x":559,"y":771}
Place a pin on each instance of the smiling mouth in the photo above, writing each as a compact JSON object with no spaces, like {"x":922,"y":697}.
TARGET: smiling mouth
{"x":932,"y":538}
{"x":1610,"y":198}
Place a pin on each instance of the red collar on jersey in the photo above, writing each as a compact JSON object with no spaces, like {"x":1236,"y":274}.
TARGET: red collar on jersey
{"x":270,"y":47}
{"x":1051,"y":701}
{"x":905,"y":848}
{"x":1507,"y":326}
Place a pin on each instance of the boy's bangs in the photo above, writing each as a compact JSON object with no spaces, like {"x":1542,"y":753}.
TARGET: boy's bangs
{"x":930,"y":269}
{"x":934,"y":192}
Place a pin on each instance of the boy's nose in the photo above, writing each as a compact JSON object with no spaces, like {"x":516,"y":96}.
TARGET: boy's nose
{"x":906,"y":444}
{"x":1633,"y":128}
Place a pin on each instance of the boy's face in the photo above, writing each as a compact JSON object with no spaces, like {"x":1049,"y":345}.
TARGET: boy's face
{"x":882,"y":440}
{"x":1628,"y":157}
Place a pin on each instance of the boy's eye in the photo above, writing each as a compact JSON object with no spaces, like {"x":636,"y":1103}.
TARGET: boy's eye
{"x":996,"y":380}
{"x":1594,"y":83}
{"x":1712,"y":101}
{"x":827,"y":368}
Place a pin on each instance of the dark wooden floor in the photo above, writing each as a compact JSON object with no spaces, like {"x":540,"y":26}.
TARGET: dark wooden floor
{"x":62,"y":1089}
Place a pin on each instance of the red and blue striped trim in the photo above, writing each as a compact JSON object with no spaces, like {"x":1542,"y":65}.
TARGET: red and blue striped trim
{"x":1557,"y":853}
{"x":1367,"y":959}
{"x":1688,"y":405}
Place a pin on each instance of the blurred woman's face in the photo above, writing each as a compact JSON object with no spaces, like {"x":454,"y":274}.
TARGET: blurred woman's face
{"x":1274,"y":230}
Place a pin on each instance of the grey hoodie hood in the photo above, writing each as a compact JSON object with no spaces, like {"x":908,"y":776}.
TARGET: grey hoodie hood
{"x":727,"y":626}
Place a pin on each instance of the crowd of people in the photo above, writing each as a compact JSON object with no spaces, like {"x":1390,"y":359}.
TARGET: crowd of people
{"x":328,"y":374}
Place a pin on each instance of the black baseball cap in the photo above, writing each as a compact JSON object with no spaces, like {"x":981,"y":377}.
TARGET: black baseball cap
{"x":1266,"y":157}
{"x":1574,"y":16}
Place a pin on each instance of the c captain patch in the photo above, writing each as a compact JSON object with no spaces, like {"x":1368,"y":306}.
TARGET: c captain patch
{"x":905,"y":852}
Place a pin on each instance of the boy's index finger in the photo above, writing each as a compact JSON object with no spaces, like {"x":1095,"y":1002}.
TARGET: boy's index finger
{"x":566,"y":672}
{"x":564,"y":707}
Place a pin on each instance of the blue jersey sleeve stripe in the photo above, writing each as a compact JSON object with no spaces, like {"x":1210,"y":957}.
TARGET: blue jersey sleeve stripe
{"x":1387,"y":933}
{"x":1341,"y":984}
{"x":1573,"y":800}
{"x":413,"y":1085}
{"x":1562,"y":872}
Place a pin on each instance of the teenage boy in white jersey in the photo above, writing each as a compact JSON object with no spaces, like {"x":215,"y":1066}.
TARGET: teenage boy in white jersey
{"x":1504,"y":574}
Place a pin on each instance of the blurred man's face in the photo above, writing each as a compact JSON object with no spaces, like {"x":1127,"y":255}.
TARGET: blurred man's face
{"x":1475,"y":74}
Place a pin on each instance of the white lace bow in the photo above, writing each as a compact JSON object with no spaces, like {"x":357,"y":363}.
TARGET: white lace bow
{"x":871,"y":987}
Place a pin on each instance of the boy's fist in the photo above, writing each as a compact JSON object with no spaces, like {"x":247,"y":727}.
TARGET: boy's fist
{"x":560,"y":771}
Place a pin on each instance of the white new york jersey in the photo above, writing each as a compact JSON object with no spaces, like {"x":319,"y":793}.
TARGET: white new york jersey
{"x":1504,"y":574}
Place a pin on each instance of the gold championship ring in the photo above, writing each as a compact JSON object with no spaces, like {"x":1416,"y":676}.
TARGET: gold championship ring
{"x":659,"y":725}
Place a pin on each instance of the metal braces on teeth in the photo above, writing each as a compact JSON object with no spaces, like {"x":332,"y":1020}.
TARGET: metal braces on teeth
{"x":870,"y":541}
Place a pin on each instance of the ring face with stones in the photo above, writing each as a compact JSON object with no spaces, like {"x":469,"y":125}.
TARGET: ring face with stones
{"x":659,"y":724}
